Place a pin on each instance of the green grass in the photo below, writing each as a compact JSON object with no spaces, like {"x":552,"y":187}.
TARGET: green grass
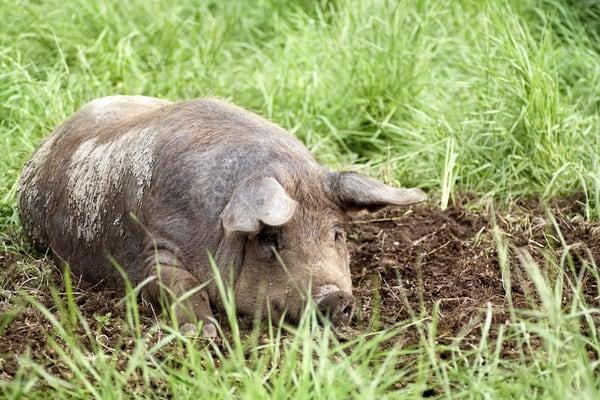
{"x":499,"y":98}
{"x":551,"y":357}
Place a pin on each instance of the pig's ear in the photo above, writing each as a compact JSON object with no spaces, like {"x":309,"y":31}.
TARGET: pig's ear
{"x":354,"y":191}
{"x":257,"y":202}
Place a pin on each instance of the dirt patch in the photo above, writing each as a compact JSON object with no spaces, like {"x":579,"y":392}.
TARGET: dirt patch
{"x":409,"y":260}
{"x":26,"y":331}
{"x":421,"y":261}
{"x":406,"y":263}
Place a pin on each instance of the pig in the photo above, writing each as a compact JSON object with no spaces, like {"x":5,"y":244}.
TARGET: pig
{"x":159,"y":187}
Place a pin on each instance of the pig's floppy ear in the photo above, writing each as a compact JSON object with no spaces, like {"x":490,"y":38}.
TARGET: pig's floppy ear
{"x":354,"y":191}
{"x":257,"y":202}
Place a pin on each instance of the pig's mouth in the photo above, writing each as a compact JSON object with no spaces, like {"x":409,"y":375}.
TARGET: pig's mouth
{"x":334,"y":305}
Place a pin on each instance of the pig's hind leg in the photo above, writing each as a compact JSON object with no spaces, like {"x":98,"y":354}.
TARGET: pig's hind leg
{"x":174,"y":286}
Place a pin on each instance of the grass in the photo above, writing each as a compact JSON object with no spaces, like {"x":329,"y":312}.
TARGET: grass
{"x":498,"y":98}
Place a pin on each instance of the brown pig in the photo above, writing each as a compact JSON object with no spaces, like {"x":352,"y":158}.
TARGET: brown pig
{"x":156,"y":186}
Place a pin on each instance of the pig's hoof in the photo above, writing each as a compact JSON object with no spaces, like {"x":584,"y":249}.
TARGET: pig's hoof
{"x":188,"y":329}
{"x":209,"y":330}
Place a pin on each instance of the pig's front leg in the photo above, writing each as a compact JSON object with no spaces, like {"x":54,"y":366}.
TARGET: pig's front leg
{"x":172,"y":282}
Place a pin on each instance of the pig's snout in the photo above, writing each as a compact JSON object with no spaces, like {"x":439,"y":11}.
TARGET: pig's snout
{"x":338,"y":307}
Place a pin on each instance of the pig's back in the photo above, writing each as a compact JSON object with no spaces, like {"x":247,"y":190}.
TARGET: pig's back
{"x":113,"y":157}
{"x":81,"y":160}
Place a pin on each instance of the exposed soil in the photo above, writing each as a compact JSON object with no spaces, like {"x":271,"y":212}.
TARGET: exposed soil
{"x":406,"y":263}
{"x":419,"y":261}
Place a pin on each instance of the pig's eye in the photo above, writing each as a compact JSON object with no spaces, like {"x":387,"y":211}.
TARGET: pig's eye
{"x":268,"y":239}
{"x":338,"y":234}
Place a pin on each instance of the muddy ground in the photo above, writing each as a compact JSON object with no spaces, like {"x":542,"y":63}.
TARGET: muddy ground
{"x":406,"y":263}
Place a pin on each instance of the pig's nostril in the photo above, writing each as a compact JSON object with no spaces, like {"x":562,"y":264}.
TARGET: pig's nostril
{"x":338,"y":307}
{"x":347,"y":311}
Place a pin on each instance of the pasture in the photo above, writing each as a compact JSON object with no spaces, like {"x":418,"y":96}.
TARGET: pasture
{"x":490,"y":290}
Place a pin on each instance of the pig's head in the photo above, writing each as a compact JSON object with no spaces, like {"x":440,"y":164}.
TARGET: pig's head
{"x":294,"y":242}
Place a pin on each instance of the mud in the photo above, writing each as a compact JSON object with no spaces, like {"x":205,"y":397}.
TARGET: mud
{"x":425,"y":263}
{"x":407,"y":263}
{"x":97,"y":169}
